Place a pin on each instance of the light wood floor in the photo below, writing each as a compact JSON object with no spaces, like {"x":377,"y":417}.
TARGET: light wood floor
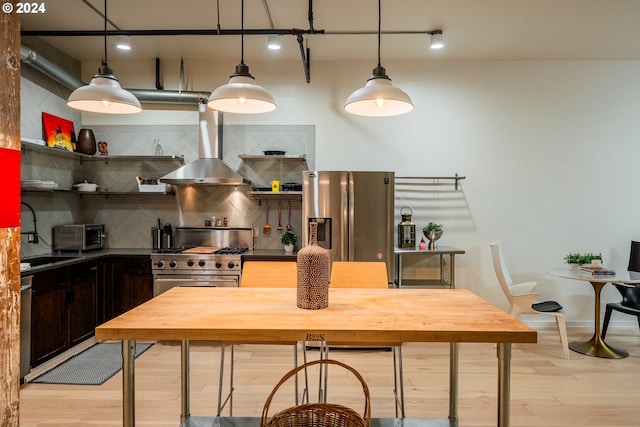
{"x":546,"y":389}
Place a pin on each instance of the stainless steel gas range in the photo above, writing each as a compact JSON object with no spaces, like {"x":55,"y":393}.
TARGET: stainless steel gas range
{"x":202,"y":256}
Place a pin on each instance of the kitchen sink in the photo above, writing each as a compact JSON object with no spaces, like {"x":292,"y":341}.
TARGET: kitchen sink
{"x":48,"y":259}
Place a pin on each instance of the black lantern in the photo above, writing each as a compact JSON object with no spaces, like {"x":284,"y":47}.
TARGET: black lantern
{"x":406,"y":230}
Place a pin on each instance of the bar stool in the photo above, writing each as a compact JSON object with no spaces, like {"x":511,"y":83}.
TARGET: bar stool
{"x":363,"y":274}
{"x":264,"y":274}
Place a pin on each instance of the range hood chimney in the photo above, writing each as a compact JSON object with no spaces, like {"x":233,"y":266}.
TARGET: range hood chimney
{"x":208,"y":169}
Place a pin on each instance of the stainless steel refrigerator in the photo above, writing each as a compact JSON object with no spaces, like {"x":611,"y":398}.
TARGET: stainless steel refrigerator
{"x":354,"y":212}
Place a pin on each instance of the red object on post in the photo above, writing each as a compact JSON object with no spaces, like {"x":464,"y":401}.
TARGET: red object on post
{"x":10,"y":188}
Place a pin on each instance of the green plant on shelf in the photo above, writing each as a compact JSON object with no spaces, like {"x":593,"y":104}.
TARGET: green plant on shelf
{"x":289,"y":238}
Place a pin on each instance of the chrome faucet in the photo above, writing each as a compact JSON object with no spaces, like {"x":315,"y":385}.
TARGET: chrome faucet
{"x":32,"y":235}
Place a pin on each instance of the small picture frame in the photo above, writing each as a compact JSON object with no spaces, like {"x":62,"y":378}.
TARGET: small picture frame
{"x":58,"y":132}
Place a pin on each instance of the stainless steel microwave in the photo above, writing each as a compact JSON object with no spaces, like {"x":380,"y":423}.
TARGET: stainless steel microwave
{"x":78,"y":237}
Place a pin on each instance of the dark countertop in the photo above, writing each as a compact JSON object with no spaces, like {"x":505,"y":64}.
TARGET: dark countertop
{"x":60,"y":259}
{"x":269,"y":255}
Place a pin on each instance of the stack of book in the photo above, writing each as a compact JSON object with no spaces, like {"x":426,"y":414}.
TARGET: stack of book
{"x":598,"y":271}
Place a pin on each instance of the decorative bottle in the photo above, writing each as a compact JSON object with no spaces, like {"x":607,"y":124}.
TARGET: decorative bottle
{"x":313,"y":273}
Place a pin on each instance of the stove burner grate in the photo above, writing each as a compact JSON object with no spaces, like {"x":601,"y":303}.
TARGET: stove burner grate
{"x":171,"y":250}
{"x":231,"y":251}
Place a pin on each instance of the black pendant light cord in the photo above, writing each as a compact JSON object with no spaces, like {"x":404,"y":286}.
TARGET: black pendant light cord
{"x":104,"y":70}
{"x":105,"y":31}
{"x":379,"y":72}
{"x":242,"y":34}
{"x":379,"y":28}
{"x":241,"y":68}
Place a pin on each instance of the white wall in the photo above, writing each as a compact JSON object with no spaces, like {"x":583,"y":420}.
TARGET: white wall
{"x":547,"y":148}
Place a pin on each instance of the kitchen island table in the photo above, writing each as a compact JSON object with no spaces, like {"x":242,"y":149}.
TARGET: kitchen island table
{"x":270,"y":316}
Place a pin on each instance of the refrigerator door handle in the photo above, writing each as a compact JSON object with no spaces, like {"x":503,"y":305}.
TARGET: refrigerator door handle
{"x":351,"y":225}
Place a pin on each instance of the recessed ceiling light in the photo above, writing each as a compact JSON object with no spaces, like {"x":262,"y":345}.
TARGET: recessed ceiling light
{"x":123,"y":43}
{"x":273,"y":43}
{"x":436,"y":39}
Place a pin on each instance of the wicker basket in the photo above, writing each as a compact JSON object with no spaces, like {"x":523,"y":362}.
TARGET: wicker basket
{"x":318,"y":414}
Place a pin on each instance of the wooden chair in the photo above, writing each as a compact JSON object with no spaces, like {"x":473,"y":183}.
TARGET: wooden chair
{"x":522,"y":299}
{"x":367,"y":275}
{"x":269,"y":274}
{"x":358,"y":274}
{"x":263,"y":274}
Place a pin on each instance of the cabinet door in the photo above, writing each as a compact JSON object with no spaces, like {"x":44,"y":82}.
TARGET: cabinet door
{"x":81,"y":301}
{"x":103,"y":292}
{"x":49,"y":315}
{"x":132,"y":283}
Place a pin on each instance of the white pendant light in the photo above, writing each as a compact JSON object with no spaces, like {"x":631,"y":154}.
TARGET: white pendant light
{"x":104,"y":93}
{"x":241,"y":95}
{"x":378,"y":98}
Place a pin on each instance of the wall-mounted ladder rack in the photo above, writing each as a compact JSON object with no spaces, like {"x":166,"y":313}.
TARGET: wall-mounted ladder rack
{"x":435,"y":179}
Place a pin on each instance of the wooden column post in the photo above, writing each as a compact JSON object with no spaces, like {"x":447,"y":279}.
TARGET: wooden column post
{"x":9,"y":218}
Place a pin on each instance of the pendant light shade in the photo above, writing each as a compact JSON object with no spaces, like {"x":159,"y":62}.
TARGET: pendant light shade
{"x":241,"y":95}
{"x":378,"y":97}
{"x":104,"y":94}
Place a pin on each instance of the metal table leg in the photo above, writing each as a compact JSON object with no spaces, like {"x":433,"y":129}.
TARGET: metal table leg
{"x":184,"y":383}
{"x":399,"y":270}
{"x":453,"y":381}
{"x":452,"y":270}
{"x":504,"y":384}
{"x":128,"y":383}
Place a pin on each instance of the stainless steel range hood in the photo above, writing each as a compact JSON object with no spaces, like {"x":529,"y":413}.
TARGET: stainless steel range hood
{"x":208,"y":169}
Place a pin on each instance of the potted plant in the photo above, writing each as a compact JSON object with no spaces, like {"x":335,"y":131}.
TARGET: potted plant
{"x":432,"y":232}
{"x":289,"y":240}
{"x":575,"y":260}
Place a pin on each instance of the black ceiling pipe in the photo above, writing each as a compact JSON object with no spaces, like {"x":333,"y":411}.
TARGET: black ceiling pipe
{"x":192,"y":32}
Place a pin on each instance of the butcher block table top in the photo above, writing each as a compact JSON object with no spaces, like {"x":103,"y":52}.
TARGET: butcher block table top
{"x":270,"y":315}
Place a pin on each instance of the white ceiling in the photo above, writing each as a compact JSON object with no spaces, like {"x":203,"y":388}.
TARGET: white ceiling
{"x":473,"y":29}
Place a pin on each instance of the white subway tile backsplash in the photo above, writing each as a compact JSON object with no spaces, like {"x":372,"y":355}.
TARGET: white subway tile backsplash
{"x":129,"y":217}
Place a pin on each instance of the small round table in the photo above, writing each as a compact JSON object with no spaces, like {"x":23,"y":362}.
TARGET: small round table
{"x":596,"y":346}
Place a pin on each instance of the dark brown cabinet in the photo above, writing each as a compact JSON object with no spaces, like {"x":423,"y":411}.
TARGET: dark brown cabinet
{"x":82,"y":301}
{"x":69,"y":302}
{"x":131,"y":283}
{"x":48,"y":315}
{"x":63,"y":309}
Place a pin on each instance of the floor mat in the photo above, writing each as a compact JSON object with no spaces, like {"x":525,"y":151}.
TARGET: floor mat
{"x":92,"y":366}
